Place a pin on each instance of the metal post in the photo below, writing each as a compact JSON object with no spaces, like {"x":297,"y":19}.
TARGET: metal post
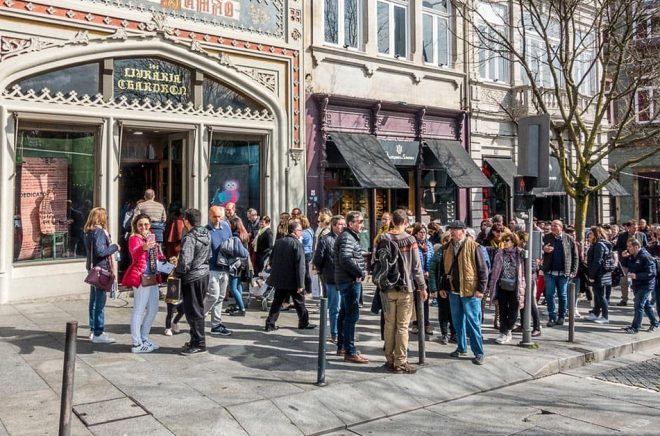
{"x":67,"y":378}
{"x":571,"y":312}
{"x":527,"y":312}
{"x":421,"y":335}
{"x":323,"y":328}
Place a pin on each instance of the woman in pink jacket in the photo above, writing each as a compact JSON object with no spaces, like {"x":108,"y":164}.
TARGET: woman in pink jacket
{"x":144,"y":278}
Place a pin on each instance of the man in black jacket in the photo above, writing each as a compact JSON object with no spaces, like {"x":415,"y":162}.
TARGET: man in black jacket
{"x":288,"y":277}
{"x":642,"y":275}
{"x":324,"y":262}
{"x":560,"y":264}
{"x":632,"y":231}
{"x":350,"y":270}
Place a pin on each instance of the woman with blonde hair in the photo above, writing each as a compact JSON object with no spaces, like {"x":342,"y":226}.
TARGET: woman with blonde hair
{"x":99,"y":251}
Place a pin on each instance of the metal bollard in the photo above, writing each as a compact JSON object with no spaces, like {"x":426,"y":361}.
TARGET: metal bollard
{"x":421,"y":335}
{"x":571,"y":312}
{"x":323,"y":327}
{"x":67,"y":378}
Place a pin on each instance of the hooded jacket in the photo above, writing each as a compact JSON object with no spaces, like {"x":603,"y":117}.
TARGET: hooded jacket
{"x":595,"y":260}
{"x":194,"y":256}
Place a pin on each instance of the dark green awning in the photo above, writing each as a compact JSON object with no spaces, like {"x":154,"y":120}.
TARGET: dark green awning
{"x":504,"y":167}
{"x":600,"y":174}
{"x":451,"y":155}
{"x":367,"y":160}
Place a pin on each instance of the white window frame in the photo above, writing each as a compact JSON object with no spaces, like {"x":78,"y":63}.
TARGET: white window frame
{"x":492,"y":58}
{"x":341,"y":28}
{"x":392,"y":37}
{"x":648,"y":24}
{"x":588,"y":54}
{"x":435,"y":16}
{"x":654,"y":112}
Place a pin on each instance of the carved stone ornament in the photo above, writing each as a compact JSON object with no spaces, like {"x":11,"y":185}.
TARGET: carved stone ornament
{"x":296,"y":155}
{"x":15,"y":47}
{"x":264,"y":78}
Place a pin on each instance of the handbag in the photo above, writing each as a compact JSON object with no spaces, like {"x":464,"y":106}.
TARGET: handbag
{"x":173,"y":294}
{"x":98,"y":277}
{"x":151,"y":280}
{"x":508,"y":284}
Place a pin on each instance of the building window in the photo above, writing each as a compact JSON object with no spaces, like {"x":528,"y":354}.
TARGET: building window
{"x":54,"y":191}
{"x":235,"y":172}
{"x":219,"y":95}
{"x":585,"y":68}
{"x":647,"y":105}
{"x":649,"y":196}
{"x":83,"y":79}
{"x":392,"y":22}
{"x":491,"y":24}
{"x":342,"y":23}
{"x":647,"y":24}
{"x":436,"y":32}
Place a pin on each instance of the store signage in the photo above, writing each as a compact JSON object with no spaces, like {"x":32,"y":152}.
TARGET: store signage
{"x":156,"y":79}
{"x":402,"y":153}
{"x":216,"y":8}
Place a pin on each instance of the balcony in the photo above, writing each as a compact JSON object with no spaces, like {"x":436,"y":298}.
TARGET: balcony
{"x":522,"y":102}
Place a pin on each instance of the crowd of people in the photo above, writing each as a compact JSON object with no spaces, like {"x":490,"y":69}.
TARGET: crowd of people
{"x":454,"y":268}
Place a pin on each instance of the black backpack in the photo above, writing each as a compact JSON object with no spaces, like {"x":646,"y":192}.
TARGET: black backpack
{"x":388,"y":266}
{"x":609,"y":261}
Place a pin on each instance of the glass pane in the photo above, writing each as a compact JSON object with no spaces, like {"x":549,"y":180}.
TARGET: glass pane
{"x":383,"y":18}
{"x":400,"y":36}
{"x":84,"y":79}
{"x":643,"y":105}
{"x":152,"y":78}
{"x":220,"y":96}
{"x":234,"y":173}
{"x":331,"y":25}
{"x":351,"y":23}
{"x":436,"y":5}
{"x":443,"y":41}
{"x":54,"y":193}
{"x":428,"y":38}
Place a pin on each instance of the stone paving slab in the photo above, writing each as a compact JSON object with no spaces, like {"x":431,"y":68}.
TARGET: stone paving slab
{"x":101,"y":412}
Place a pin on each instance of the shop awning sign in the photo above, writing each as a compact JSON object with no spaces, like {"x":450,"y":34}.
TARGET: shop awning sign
{"x":401,"y":153}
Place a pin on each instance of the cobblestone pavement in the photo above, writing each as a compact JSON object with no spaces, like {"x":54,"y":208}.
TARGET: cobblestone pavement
{"x":642,"y":375}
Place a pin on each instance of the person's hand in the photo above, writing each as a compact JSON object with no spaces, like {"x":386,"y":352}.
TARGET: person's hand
{"x":301,"y":290}
{"x":548,"y":248}
{"x":572,"y":275}
{"x":424,"y":294}
{"x":118,"y":247}
{"x":632,"y":276}
{"x":478,"y":294}
{"x":625,"y":253}
{"x":443,"y":294}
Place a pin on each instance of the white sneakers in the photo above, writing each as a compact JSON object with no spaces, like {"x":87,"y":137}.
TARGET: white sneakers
{"x":577,"y":314}
{"x":503,"y":338}
{"x":103,"y":338}
{"x":592,"y":317}
{"x":91,"y":335}
{"x":602,"y":320}
{"x":142,"y":348}
{"x":168,"y":332}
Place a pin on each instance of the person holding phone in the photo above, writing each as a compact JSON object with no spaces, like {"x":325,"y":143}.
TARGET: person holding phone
{"x":144,"y":278}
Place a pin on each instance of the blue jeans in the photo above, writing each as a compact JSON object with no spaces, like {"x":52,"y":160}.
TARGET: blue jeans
{"x":600,"y":301}
{"x":643,"y":304}
{"x":97,"y":300}
{"x":466,"y":316}
{"x":334,"y":301}
{"x":348,"y":316}
{"x":556,"y":285}
{"x":237,"y":292}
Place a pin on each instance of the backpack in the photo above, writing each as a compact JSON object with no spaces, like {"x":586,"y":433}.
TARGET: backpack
{"x":388,"y":266}
{"x":609,"y":261}
{"x":229,"y":256}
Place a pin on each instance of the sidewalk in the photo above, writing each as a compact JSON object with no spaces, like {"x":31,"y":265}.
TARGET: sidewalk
{"x":255,"y":382}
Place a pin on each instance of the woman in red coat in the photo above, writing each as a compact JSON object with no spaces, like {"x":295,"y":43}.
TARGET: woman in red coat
{"x":144,"y":278}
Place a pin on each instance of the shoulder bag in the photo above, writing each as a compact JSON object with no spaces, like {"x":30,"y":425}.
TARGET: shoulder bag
{"x":98,"y":277}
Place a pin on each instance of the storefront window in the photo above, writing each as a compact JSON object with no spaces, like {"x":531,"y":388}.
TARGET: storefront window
{"x":235,"y":173}
{"x":649,"y":197}
{"x":343,"y":194}
{"x":54,"y":192}
{"x":83,"y":79}
{"x":439,"y":197}
{"x":220,"y":96}
{"x":153,"y":78}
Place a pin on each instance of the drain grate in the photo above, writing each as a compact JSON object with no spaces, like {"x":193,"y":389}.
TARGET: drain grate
{"x":642,"y":375}
{"x":103,"y":412}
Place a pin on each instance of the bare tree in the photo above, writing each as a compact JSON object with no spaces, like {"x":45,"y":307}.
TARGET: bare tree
{"x":591,"y":65}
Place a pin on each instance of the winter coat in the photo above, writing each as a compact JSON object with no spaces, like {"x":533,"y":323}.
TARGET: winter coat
{"x":595,"y":263}
{"x":570,"y":254}
{"x":193,"y":263}
{"x":287,"y":264}
{"x":643,"y":266}
{"x":97,"y":242}
{"x":324,"y":257}
{"x":496,"y":273}
{"x":435,"y":271}
{"x":264,"y":247}
{"x":139,"y":259}
{"x":425,"y":258}
{"x":349,"y":260}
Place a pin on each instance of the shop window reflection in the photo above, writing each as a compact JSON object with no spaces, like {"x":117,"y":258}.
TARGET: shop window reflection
{"x":54,"y":192}
{"x":344,"y":194}
{"x":83,"y":79}
{"x":439,"y":197}
{"x":219,"y":95}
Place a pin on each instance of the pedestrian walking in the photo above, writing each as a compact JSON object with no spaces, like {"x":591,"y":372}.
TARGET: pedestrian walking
{"x":263,"y":243}
{"x":239,"y":239}
{"x":642,"y":275}
{"x":193,"y":270}
{"x":632,"y":231}
{"x":219,"y":231}
{"x":600,"y":263}
{"x":560,"y":264}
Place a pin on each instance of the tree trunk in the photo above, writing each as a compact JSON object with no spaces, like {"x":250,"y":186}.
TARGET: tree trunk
{"x":581,"y":206}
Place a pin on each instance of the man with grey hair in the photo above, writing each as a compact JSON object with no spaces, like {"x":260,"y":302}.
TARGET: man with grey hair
{"x":156,"y":212}
{"x":219,"y":232}
{"x":252,"y":223}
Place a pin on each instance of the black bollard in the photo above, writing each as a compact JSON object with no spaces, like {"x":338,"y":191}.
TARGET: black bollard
{"x":67,"y":378}
{"x":421,"y":335}
{"x":323,"y":327}
{"x":571,"y":312}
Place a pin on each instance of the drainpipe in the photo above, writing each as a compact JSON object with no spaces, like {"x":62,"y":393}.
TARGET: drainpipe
{"x":5,"y":209}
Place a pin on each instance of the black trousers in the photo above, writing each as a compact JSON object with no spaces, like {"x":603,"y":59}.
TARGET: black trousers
{"x":170,"y":313}
{"x":427,"y":320}
{"x":298,"y":302}
{"x":193,"y":306}
{"x":508,"y":308}
{"x":444,"y":316}
{"x":536,"y":321}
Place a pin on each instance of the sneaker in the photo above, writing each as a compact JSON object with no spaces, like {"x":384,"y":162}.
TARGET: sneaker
{"x":142,"y":348}
{"x":168,"y":332}
{"x":237,"y":313}
{"x":651,"y":329}
{"x":551,"y":323}
{"x":270,"y":327}
{"x":501,"y":339}
{"x":151,"y":344}
{"x":622,"y":303}
{"x":631,"y":330}
{"x":307,"y":327}
{"x":356,"y":358}
{"x":220,"y":330}
{"x":518,"y":329}
{"x":434,"y":302}
{"x":508,"y":337}
{"x":479,"y":360}
{"x":536,"y":333}
{"x":406,"y":368}
{"x":193,"y":350}
{"x":389,"y":366}
{"x":91,"y":335}
{"x":103,"y":338}
{"x":453,"y":340}
{"x":175,"y":328}
{"x":560,"y":321}
{"x":414,"y":330}
{"x":592,"y":317}
{"x":576,"y":314}
{"x":601,"y":320}
{"x":428,"y":330}
{"x":457,"y":353}
{"x":444,"y":339}
{"x":341,"y":352}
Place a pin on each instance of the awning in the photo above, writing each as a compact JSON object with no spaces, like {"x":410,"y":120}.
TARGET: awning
{"x":367,"y":160}
{"x":401,"y":153}
{"x":600,"y":174}
{"x":451,"y":156}
{"x":556,"y":184}
{"x":504,"y":167}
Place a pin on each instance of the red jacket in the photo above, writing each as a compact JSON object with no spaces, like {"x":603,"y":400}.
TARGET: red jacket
{"x":133,"y":275}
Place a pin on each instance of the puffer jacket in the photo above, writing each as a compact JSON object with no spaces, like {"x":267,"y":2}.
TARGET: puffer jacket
{"x":324,"y":257}
{"x":97,"y":242}
{"x":193,"y":263}
{"x":349,"y":259}
{"x":595,"y":259}
{"x":133,"y":275}
{"x":643,"y":266}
